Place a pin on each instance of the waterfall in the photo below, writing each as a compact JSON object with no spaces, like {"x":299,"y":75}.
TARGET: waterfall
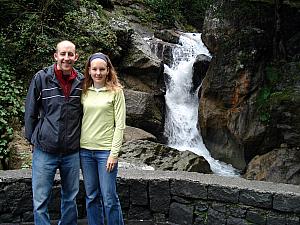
{"x":182,"y":104}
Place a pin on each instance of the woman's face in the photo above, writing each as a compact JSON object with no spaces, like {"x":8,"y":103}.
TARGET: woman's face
{"x":99,"y":71}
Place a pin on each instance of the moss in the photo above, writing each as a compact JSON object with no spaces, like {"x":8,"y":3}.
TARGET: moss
{"x":287,"y":95}
{"x":202,"y":215}
{"x":278,"y":88}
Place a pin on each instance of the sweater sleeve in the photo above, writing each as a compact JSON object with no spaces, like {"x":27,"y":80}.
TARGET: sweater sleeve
{"x":33,"y":100}
{"x":120,"y":117}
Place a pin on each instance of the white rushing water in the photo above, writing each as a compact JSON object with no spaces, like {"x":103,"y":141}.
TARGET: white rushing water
{"x":182,"y":105}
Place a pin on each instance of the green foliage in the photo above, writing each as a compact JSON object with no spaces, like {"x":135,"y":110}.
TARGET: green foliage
{"x":172,"y":12}
{"x":168,"y":11}
{"x":145,"y":16}
{"x":11,"y":102}
{"x":29,"y":36}
{"x":92,"y":30}
{"x":195,"y":10}
{"x":272,"y":75}
{"x":37,"y":26}
{"x":29,"y":32}
{"x":263,"y":101}
{"x":26,"y":160}
{"x":287,"y":95}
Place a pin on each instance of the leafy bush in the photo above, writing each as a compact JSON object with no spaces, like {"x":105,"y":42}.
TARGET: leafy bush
{"x":171,"y":12}
{"x":29,"y":32}
{"x":93,"y":33}
{"x":11,"y":110}
{"x":168,"y":11}
{"x":37,"y":26}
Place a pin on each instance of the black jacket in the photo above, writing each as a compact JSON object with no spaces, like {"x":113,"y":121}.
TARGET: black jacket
{"x":53,"y":122}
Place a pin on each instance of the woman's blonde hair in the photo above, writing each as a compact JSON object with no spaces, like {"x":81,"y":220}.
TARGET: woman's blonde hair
{"x":111,"y":82}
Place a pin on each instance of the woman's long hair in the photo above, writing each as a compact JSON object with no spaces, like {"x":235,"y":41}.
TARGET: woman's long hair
{"x":111,"y":82}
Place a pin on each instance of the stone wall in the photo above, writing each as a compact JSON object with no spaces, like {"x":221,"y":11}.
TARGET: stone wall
{"x":161,"y":197}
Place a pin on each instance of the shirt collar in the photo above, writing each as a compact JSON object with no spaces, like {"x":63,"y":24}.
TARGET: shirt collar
{"x":92,"y":88}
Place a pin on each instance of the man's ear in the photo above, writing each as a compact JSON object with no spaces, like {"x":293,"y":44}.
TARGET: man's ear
{"x":55,"y":55}
{"x":76,"y":57}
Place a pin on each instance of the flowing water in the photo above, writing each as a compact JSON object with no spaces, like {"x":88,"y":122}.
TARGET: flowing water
{"x":182,"y":105}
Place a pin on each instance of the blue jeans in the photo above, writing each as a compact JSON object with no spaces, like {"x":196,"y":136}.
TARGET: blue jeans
{"x":44,"y":167}
{"x":102,"y":201}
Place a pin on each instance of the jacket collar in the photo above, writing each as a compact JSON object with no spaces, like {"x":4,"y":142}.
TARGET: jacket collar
{"x":76,"y":81}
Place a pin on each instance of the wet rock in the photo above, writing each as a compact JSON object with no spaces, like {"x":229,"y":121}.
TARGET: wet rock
{"x":281,"y":165}
{"x":162,"y":157}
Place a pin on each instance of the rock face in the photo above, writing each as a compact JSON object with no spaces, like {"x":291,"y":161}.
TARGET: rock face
{"x":279,"y":165}
{"x":20,"y":152}
{"x":200,"y":68}
{"x":144,"y":110}
{"x":238,"y":114}
{"x":141,"y":63}
{"x":162,"y":157}
{"x":233,"y":76}
{"x":133,"y":133}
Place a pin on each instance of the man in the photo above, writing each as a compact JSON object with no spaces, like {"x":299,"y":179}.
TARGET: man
{"x":52,"y":125}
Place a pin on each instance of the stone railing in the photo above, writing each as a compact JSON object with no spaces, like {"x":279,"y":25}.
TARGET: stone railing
{"x":169,"y":197}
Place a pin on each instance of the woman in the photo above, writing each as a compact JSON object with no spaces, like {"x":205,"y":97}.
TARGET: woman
{"x":102,"y":129}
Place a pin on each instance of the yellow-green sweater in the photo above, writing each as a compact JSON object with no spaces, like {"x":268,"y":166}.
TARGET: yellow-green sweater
{"x":103,"y":121}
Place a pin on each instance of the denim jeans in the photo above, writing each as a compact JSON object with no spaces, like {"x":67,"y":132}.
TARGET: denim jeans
{"x":102,"y":201}
{"x":44,"y":167}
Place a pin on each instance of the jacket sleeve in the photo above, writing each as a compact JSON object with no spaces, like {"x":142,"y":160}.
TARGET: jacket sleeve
{"x":32,"y":106}
{"x":120,"y":117}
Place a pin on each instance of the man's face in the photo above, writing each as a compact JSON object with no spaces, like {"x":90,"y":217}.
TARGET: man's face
{"x":65,"y":56}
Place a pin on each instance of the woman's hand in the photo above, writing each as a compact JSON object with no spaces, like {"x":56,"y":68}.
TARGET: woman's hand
{"x":31,"y":148}
{"x":111,"y":163}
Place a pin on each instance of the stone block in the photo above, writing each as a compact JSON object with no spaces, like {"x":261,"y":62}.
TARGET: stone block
{"x":255,"y":198}
{"x":13,"y":191}
{"x":139,"y":222}
{"x":225,"y":194}
{"x":181,"y":214}
{"x":123,"y":193}
{"x":28,"y":216}
{"x":292,"y":220}
{"x":181,"y":200}
{"x":275,"y":219}
{"x":7,"y":218}
{"x":256,"y":216}
{"x":219,"y":206}
{"x":139,"y":213}
{"x":54,"y":202}
{"x":188,"y":189}
{"x":80,"y":200}
{"x":236,"y":221}
{"x":236,"y":210}
{"x":201,"y":206}
{"x":159,"y":194}
{"x":159,"y":217}
{"x":287,"y":203}
{"x":24,"y":205}
{"x":3,"y":203}
{"x":214,"y":217}
{"x":138,"y":192}
{"x":201,"y":218}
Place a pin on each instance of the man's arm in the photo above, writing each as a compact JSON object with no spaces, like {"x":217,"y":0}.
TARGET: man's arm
{"x":32,"y":106}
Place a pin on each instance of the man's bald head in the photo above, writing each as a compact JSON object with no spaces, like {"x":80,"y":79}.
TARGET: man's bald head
{"x":65,"y":43}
